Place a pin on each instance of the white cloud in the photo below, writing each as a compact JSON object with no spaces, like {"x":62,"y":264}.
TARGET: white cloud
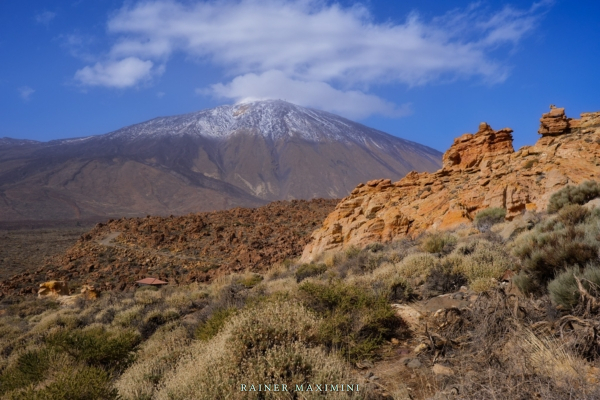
{"x":276,"y":85}
{"x":25,"y":92}
{"x":314,"y":41}
{"x":45,"y":17}
{"x":119,"y":74}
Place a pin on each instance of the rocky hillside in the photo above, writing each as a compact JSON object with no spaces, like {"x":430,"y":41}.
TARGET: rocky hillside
{"x":192,"y":248}
{"x":480,"y":171}
{"x":242,"y":155}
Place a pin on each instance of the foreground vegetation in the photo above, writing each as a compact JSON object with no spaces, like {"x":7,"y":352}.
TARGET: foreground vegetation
{"x":322,"y":322}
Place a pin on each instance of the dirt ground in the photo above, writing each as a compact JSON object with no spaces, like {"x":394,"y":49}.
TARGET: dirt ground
{"x":23,"y":250}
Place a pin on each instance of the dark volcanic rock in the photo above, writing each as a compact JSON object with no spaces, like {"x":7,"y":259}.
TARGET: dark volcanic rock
{"x":195,"y":247}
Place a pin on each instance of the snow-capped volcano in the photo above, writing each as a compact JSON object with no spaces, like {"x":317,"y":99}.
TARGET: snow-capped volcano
{"x":233,"y":155}
{"x":274,"y":119}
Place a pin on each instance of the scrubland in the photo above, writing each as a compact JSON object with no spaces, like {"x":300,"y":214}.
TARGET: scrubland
{"x":528,"y":327}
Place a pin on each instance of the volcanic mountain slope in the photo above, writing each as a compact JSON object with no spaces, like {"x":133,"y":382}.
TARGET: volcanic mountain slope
{"x":240,"y":155}
{"x":480,"y":170}
{"x":195,"y":247}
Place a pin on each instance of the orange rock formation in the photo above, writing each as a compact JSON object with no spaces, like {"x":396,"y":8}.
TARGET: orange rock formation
{"x":480,"y":170}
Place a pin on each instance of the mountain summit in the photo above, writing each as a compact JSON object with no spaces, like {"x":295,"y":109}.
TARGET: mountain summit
{"x":233,"y":155}
{"x":272,"y":119}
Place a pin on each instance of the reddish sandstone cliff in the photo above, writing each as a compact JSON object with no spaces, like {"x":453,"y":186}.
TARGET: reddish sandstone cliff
{"x":480,"y":170}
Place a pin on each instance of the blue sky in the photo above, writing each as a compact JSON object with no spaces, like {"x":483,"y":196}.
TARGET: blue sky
{"x":423,"y":70}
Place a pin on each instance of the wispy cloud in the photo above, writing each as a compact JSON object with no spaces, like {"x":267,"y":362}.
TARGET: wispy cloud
{"x":78,"y":45}
{"x":276,"y":85}
{"x":25,"y":92}
{"x":45,"y":17}
{"x":310,"y":45}
{"x":119,"y":74}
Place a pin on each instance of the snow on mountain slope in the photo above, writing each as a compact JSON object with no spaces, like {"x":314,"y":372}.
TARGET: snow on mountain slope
{"x":273,"y":119}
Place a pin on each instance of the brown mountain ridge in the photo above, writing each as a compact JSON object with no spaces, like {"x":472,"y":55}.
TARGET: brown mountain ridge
{"x":243,"y":155}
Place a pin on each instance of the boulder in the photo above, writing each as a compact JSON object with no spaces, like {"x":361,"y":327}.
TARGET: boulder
{"x":439,"y":369}
{"x":89,"y":292}
{"x":409,"y":315}
{"x":53,"y":288}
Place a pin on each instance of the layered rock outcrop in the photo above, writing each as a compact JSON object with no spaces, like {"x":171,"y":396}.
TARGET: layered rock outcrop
{"x":479,"y":171}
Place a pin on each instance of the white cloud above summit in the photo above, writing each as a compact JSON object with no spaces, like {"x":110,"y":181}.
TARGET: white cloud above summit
{"x":324,"y":53}
{"x":275,"y":84}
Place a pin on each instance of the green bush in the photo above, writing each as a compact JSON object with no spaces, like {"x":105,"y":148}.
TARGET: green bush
{"x":564,"y":291}
{"x":29,"y":368}
{"x":574,"y":195}
{"x":214,"y":323}
{"x":485,"y":219}
{"x":523,"y":282}
{"x":83,"y":383}
{"x":96,"y":346}
{"x":307,"y":270}
{"x":543,"y":254}
{"x":356,"y":321}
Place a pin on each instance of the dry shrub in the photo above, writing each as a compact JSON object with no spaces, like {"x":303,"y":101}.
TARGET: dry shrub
{"x":129,"y":317}
{"x":96,"y":346}
{"x":332,"y":259}
{"x":573,"y":195}
{"x":487,"y":218}
{"x":564,"y":291}
{"x":361,"y":261}
{"x":156,"y":357}
{"x":356,"y":320}
{"x":32,"y":307}
{"x":416,"y":267}
{"x":438,"y":242}
{"x":548,"y":358}
{"x":80,"y":382}
{"x":180,"y":299}
{"x":271,"y":343}
{"x":483,"y":263}
{"x":307,"y":270}
{"x":570,"y":239}
{"x":278,"y":271}
{"x":445,"y":278}
{"x":147,"y":296}
{"x":55,"y":318}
